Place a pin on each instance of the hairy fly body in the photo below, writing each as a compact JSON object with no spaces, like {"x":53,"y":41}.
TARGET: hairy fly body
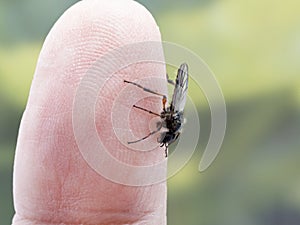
{"x":171,"y":116}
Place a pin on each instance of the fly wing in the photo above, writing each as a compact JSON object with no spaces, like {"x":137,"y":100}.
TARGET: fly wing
{"x":180,"y":90}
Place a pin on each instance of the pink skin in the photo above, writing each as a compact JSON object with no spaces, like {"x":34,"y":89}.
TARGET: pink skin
{"x":53,"y":184}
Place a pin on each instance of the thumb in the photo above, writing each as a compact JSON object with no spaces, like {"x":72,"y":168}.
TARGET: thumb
{"x":53,"y":182}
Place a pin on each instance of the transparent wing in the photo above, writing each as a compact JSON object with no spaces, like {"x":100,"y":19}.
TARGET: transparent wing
{"x":180,"y":90}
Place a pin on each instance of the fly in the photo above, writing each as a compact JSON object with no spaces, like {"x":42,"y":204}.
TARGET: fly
{"x":172,"y":116}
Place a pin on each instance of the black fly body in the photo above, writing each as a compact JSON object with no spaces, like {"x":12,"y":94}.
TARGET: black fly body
{"x":171,"y":116}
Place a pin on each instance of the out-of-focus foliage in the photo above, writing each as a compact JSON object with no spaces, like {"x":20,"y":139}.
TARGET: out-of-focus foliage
{"x":29,"y":20}
{"x":253,"y":47}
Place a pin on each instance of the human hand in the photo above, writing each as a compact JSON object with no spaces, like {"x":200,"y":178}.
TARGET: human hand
{"x":53,"y":184}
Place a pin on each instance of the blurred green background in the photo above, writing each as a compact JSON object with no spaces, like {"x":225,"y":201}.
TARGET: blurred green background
{"x":253,"y":47}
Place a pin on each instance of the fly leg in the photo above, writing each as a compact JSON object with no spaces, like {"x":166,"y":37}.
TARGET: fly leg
{"x":151,"y":133}
{"x":145,"y":89}
{"x":164,"y":99}
{"x":169,"y":80}
{"x":161,"y":140}
{"x":146,"y":110}
{"x":166,"y":149}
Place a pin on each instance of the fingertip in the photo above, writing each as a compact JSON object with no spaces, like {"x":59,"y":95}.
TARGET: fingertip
{"x":86,"y":32}
{"x":122,"y":21}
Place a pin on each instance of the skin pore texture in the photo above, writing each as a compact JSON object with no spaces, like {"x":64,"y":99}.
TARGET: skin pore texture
{"x":53,"y":184}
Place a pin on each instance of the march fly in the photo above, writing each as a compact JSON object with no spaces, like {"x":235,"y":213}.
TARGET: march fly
{"x":172,"y":116}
